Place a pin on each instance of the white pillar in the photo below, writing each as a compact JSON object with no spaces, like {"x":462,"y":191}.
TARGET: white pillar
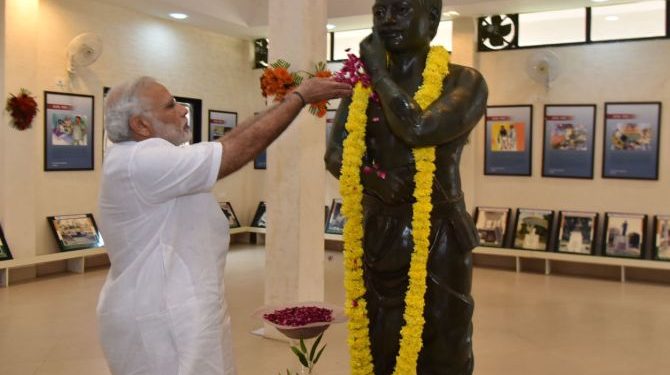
{"x":465,"y":53}
{"x":21,"y":150}
{"x":294,"y":263}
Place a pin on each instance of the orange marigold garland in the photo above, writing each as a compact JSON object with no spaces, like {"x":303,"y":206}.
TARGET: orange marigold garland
{"x":278,"y":81}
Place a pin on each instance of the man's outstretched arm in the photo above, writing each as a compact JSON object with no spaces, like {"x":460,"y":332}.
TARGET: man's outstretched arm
{"x":252,"y":136}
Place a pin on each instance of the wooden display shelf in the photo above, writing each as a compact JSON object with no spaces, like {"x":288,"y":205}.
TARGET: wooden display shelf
{"x":622,"y":264}
{"x":76,"y":262}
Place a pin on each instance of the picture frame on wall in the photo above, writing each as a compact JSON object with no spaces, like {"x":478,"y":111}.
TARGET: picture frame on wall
{"x":261,"y":161}
{"x":508,"y":140}
{"x":624,"y":235}
{"x":330,"y":120}
{"x":194,"y":115}
{"x":260,"y":217}
{"x":569,"y":139}
{"x":220,"y":123}
{"x":631,"y":141}
{"x":75,"y":232}
{"x":106,"y":143}
{"x":68,"y":131}
{"x":491,"y":224}
{"x":5,"y":253}
{"x":532,"y":229}
{"x":336,"y":220}
{"x":227,"y":209}
{"x":662,"y":237}
{"x":577,"y":232}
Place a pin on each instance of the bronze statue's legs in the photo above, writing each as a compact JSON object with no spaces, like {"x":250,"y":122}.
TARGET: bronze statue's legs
{"x":447,"y":347}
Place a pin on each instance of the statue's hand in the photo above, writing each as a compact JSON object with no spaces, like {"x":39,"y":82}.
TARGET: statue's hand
{"x":394,"y":187}
{"x":373,"y":55}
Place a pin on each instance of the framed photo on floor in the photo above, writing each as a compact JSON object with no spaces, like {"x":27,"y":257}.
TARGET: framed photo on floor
{"x":662,"y":237}
{"x":624,"y":235}
{"x":227,"y":209}
{"x":631,"y":142}
{"x":532,"y":230}
{"x":568,"y":141}
{"x":260,"y":217}
{"x":577,"y":232}
{"x":336,"y":220}
{"x":74,"y":232}
{"x":68,"y":132}
{"x":220,"y":123}
{"x":492,"y":223}
{"x":5,"y":254}
{"x":508,"y":143}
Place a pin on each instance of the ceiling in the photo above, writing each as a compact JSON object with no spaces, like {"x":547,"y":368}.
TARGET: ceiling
{"x":248,"y":18}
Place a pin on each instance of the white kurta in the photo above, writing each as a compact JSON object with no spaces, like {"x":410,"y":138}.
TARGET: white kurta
{"x":162,"y":309}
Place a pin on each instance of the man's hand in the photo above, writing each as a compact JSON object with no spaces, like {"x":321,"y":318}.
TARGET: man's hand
{"x":316,"y":89}
{"x":373,"y":55}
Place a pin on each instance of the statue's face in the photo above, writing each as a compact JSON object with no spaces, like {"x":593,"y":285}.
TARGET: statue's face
{"x":403,"y":25}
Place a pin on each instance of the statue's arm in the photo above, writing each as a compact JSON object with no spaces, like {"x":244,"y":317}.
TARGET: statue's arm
{"x":451,"y":116}
{"x":333,"y":157}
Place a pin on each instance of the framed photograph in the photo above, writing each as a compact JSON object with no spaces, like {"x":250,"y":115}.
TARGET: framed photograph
{"x":220,"y":123}
{"x":194,"y":115}
{"x":508,"y":140}
{"x":532,"y":229}
{"x":68,"y":132}
{"x":106,"y":143}
{"x":260,"y":217}
{"x":631,"y":142}
{"x":492,"y":223}
{"x":662,"y":237}
{"x":568,"y":141}
{"x":261,"y":161}
{"x":335,"y":224}
{"x":330,"y":119}
{"x":624,"y":234}
{"x":74,"y":232}
{"x":577,"y":232}
{"x":227,"y":209}
{"x":5,"y":254}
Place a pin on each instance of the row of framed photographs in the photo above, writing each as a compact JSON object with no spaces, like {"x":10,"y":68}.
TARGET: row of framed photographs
{"x":259,"y":220}
{"x":333,"y":216}
{"x":72,"y":232}
{"x":630,"y":142}
{"x":622,"y":234}
{"x":69,"y":128}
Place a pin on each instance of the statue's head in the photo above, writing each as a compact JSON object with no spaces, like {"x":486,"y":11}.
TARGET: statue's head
{"x":405,"y":25}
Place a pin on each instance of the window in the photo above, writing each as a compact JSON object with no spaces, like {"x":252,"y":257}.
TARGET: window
{"x":558,"y":27}
{"x":644,"y":19}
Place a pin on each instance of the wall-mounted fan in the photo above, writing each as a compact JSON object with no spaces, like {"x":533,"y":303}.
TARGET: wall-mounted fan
{"x":498,"y":32}
{"x":83,"y":51}
{"x":543,"y":67}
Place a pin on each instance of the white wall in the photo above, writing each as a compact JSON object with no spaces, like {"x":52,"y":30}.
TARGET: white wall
{"x":191,"y":62}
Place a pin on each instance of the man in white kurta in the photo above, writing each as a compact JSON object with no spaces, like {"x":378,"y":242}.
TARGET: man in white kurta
{"x":162,"y":309}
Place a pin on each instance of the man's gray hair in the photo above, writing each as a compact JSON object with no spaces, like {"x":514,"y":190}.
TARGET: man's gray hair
{"x":122,"y":103}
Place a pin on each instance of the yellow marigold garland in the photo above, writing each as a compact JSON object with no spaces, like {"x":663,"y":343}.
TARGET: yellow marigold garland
{"x":437,"y":68}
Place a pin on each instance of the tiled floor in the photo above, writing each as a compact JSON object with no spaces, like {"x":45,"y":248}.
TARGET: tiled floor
{"x":524,"y":324}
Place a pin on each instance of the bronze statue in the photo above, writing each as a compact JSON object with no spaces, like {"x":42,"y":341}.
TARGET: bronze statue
{"x":395,"y":57}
